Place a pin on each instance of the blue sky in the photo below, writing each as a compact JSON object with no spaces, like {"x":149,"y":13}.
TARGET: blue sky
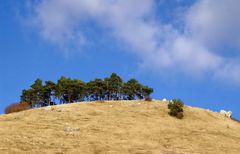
{"x":186,"y":49}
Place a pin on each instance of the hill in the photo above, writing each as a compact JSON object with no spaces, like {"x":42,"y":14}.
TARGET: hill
{"x":117,"y":127}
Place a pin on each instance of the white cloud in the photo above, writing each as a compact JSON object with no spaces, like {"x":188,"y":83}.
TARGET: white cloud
{"x":215,"y":22}
{"x":209,"y":25}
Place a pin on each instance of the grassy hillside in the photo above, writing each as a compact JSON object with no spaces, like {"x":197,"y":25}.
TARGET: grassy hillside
{"x":117,"y":127}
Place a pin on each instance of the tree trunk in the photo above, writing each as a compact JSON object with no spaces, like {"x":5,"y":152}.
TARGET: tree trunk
{"x":49,"y":101}
{"x":69,"y":98}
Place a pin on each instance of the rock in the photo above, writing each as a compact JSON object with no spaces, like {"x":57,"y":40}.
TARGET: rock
{"x":48,"y":108}
{"x":58,"y":110}
{"x":70,"y":129}
{"x":226,"y":113}
{"x":164,"y":100}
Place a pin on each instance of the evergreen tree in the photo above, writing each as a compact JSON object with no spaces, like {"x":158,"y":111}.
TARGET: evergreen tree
{"x":114,"y":86}
{"x":96,"y":89}
{"x":146,"y":91}
{"x":78,"y":90}
{"x":48,"y":91}
{"x":61,"y":89}
{"x":37,"y":88}
{"x":131,"y":89}
{"x":28,"y":96}
{"x":68,"y":90}
{"x":34,"y":95}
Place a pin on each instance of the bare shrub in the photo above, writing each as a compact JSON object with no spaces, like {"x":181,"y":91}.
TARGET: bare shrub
{"x":148,"y":98}
{"x":16,"y":107}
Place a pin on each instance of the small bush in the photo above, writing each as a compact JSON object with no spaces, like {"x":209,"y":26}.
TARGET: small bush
{"x":16,"y":107}
{"x":148,"y":98}
{"x":176,"y":108}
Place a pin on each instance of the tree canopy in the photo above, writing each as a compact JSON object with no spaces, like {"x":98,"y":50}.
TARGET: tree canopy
{"x":67,"y":90}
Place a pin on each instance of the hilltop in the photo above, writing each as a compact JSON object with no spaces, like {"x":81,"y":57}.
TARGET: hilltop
{"x":117,"y":127}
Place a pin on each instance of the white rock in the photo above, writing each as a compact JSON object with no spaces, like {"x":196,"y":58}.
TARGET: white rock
{"x":48,"y":108}
{"x":164,"y":100}
{"x":226,"y":113}
{"x":70,"y":129}
{"x":229,"y":114}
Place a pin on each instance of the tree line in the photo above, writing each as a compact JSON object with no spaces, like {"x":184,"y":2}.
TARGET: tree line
{"x":68,"y":90}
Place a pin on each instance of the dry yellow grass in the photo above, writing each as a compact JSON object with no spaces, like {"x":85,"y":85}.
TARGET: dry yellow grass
{"x":136,"y":127}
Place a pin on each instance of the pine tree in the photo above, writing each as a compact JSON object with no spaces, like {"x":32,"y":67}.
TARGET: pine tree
{"x":48,"y":91}
{"x":114,"y":86}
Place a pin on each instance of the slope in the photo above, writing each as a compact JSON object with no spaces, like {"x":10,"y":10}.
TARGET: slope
{"x":117,"y":127}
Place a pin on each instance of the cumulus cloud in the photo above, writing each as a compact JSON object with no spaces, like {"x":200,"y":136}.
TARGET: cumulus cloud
{"x":209,"y":25}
